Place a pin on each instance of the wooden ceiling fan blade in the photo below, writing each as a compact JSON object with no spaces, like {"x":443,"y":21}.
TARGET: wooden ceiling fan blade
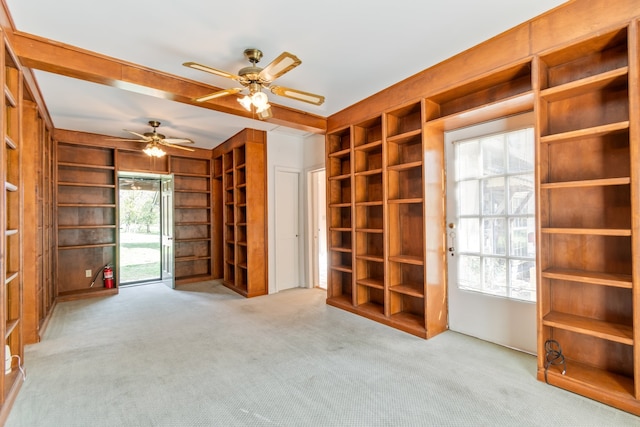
{"x":176,"y":146}
{"x":218,"y":94}
{"x":311,"y":98}
{"x":211,"y":70}
{"x":282,"y":64}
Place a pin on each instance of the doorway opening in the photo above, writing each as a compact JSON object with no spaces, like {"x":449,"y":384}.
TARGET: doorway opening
{"x":142,"y":215}
{"x":317,"y":228}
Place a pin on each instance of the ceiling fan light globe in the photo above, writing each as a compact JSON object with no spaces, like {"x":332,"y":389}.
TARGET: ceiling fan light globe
{"x":260,"y":100}
{"x":153,"y":150}
{"x":245,"y":101}
{"x":262,"y":108}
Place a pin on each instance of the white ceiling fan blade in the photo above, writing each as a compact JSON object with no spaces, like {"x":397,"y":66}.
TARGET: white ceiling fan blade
{"x":218,"y":94}
{"x":282,"y":64}
{"x":171,"y":140}
{"x":176,"y":146}
{"x":126,"y":140}
{"x":144,"y":137}
{"x":207,"y":69}
{"x":298,"y":94}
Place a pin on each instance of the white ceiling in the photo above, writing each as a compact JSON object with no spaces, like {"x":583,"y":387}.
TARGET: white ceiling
{"x":350,"y":49}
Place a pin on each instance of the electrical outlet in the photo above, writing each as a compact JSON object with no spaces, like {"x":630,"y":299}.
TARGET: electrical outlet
{"x":87,"y":273}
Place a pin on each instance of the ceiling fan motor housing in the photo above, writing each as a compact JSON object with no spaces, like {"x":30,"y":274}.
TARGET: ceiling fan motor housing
{"x":253,"y":55}
{"x":155,"y":135}
{"x":250,"y":74}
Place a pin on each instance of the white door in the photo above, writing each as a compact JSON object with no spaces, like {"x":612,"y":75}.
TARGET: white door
{"x":491,"y":231}
{"x":287,"y":230}
{"x":166,"y":213}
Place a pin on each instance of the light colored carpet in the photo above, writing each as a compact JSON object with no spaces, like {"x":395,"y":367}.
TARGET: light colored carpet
{"x":204,"y":356}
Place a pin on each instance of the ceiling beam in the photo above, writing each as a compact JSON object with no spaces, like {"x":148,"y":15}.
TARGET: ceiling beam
{"x":48,"y":55}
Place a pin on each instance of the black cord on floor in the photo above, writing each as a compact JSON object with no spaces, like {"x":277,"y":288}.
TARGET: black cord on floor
{"x":553,"y":357}
{"x":100,"y":270}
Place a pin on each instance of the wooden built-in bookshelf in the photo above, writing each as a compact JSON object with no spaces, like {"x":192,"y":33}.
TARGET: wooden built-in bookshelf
{"x":588,"y":209}
{"x":377,"y":224}
{"x":239,"y":169}
{"x":11,"y":228}
{"x":86,"y":201}
{"x":192,"y":218}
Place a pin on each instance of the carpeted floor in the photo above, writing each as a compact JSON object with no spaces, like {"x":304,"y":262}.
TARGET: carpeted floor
{"x":204,"y":356}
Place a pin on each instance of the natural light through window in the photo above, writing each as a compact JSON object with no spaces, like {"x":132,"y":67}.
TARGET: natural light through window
{"x":496,"y":211}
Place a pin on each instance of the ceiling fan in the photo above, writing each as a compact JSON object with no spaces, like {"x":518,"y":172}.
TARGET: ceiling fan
{"x":255,"y":79}
{"x":154,"y":140}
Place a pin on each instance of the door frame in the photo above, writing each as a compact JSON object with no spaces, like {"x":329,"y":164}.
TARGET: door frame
{"x":143,"y":175}
{"x":167,"y":227}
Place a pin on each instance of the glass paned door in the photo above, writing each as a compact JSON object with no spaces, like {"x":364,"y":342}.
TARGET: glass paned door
{"x":491,"y":231}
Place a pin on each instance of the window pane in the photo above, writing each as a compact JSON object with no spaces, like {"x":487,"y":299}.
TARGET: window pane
{"x":494,"y":241}
{"x":469,"y":272}
{"x":496,"y":214}
{"x":522,"y":279}
{"x":521,"y":195}
{"x":521,"y":151}
{"x":469,"y":235}
{"x":493,"y":196}
{"x":522,"y":235}
{"x":467,"y":155}
{"x":494,"y":273}
{"x":469,"y":197}
{"x":493,"y":155}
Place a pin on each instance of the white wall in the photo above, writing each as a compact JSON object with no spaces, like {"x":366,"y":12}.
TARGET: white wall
{"x":301,"y":154}
{"x":314,"y":152}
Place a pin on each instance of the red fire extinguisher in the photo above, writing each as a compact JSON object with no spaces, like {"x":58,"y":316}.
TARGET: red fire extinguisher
{"x":107,"y":276}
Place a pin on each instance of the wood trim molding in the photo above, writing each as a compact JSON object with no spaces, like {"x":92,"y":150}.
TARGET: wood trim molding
{"x":55,"y":57}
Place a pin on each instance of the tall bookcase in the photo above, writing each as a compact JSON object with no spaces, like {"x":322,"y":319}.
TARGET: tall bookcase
{"x":240,"y":169}
{"x":406,"y":219}
{"x":11,"y":293}
{"x":340,"y":219}
{"x":369,"y":194}
{"x":228,"y":165}
{"x":87,"y":217}
{"x":378,"y":223}
{"x":588,"y":216}
{"x":240,"y":216}
{"x":47,"y":291}
{"x":193,"y":218}
{"x":39,"y":295}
